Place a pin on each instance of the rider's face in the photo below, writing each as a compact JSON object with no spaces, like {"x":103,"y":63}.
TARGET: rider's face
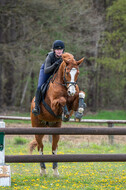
{"x":58,"y":52}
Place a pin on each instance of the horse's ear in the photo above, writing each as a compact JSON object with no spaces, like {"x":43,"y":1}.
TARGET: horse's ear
{"x":80,"y":61}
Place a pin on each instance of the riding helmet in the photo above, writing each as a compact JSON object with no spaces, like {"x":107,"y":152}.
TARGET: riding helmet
{"x":58,"y":44}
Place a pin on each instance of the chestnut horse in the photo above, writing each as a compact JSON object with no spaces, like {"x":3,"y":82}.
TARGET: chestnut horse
{"x":63,"y":97}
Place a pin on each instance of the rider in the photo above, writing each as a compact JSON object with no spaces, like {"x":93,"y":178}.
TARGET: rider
{"x":52,"y":61}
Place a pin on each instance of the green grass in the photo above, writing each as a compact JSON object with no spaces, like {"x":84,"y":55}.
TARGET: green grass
{"x":20,"y":140}
{"x":114,"y":115}
{"x":82,"y":176}
{"x":18,"y":114}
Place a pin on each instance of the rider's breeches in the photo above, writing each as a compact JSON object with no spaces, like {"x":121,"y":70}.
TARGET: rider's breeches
{"x":42,"y":77}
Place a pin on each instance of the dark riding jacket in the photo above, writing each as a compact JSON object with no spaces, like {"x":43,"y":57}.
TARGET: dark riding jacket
{"x":50,"y":62}
{"x":47,"y":69}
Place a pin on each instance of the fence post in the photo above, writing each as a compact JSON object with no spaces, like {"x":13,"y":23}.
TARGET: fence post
{"x":111,"y":137}
{"x":5,"y":174}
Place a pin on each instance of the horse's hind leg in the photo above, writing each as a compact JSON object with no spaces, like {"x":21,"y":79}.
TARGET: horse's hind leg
{"x":54,"y":151}
{"x":40,"y":149}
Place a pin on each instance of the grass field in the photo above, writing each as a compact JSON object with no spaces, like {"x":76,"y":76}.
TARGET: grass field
{"x":104,"y":114}
{"x":82,"y":176}
{"x":87,"y":176}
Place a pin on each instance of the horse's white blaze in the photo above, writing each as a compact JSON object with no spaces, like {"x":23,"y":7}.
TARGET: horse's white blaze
{"x":71,"y":88}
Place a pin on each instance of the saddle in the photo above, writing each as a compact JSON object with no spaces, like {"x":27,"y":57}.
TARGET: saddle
{"x":44,"y":88}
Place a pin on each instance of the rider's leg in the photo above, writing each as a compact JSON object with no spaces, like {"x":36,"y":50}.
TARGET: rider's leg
{"x":36,"y":110}
{"x":42,"y":79}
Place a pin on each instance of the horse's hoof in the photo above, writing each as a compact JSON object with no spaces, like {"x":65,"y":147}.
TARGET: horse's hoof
{"x":77,"y":120}
{"x":55,"y":172}
{"x":78,"y":116}
{"x":43,"y":172}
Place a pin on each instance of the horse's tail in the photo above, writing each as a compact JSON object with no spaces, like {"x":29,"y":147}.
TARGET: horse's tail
{"x":32,"y":145}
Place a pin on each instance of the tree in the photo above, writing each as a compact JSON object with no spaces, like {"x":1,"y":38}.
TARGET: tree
{"x":113,"y":58}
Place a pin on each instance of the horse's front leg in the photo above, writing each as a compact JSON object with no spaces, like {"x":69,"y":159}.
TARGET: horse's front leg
{"x":81,"y":106}
{"x":54,"y":152}
{"x":66,"y":114}
{"x":62,"y":102}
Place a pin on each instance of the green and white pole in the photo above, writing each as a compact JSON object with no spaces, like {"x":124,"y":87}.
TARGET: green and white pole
{"x":5,"y":173}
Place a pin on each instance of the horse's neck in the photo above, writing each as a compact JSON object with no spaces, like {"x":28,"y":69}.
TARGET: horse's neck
{"x":60,"y":73}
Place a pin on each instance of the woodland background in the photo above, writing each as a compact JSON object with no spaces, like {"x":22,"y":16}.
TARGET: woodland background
{"x":95,"y":29}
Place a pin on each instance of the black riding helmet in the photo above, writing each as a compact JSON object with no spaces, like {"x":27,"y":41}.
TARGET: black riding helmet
{"x":58,"y":44}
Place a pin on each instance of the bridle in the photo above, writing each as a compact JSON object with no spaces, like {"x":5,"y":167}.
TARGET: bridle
{"x":65,"y":81}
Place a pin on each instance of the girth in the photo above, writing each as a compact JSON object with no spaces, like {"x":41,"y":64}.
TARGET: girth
{"x":47,"y":107}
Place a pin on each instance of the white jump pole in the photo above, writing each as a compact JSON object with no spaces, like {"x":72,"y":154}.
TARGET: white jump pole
{"x":5,"y":173}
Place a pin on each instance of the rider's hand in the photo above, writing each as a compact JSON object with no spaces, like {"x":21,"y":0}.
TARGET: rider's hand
{"x":58,"y":62}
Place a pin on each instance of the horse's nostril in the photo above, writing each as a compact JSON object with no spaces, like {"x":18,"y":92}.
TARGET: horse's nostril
{"x":69,"y":93}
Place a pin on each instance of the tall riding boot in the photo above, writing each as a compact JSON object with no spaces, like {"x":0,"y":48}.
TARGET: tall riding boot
{"x":36,"y":110}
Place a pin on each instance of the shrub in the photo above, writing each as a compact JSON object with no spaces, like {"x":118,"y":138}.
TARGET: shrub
{"x":20,"y":140}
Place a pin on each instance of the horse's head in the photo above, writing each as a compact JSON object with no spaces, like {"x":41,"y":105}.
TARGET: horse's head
{"x":71,"y":72}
